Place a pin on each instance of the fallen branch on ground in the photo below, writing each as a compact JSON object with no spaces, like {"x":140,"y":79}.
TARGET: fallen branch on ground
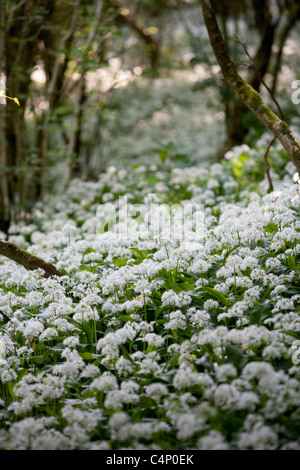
{"x":27,"y":260}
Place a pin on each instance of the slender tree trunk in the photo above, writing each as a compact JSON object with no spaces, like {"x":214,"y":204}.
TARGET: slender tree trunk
{"x":4,"y":194}
{"x":74,"y":169}
{"x":21,"y":34}
{"x":93,"y":142}
{"x":19,"y":60}
{"x":292,"y":17}
{"x":250,"y":97}
{"x":52,"y":94}
{"x":74,"y":164}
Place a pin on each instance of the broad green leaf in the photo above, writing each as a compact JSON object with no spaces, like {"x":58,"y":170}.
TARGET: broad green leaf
{"x":86,"y":355}
{"x":236,"y":355}
{"x":120,"y":261}
{"x":163,"y":155}
{"x":271,"y":227}
{"x":217,"y":295}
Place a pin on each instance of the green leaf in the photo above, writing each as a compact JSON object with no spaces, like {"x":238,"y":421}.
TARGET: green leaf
{"x":158,"y":312}
{"x":120,"y":261}
{"x":37,"y":360}
{"x":6,"y":319}
{"x":86,"y":268}
{"x":283,"y":364}
{"x":217,"y":295}
{"x":236,"y":356}
{"x":271,"y":227}
{"x":261,"y":312}
{"x":89,"y":332}
{"x":139,"y":253}
{"x":87,"y":356}
{"x":89,"y":250}
{"x":146,"y":402}
{"x":152,"y":180}
{"x":186,"y":286}
{"x":294,"y":334}
{"x":10,"y":388}
{"x":174,"y":361}
{"x":125,"y":318}
{"x":125,"y":352}
{"x":57,"y":347}
{"x":22,"y":373}
{"x":163,"y":155}
{"x":207,"y":347}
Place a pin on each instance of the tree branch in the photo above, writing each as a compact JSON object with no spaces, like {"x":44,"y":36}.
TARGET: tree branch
{"x":245,"y":92}
{"x":27,"y":260}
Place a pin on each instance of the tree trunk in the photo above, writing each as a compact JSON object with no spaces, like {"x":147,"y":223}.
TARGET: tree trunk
{"x":19,"y":34}
{"x":4,"y":194}
{"x":75,"y":169}
{"x":19,"y":57}
{"x":74,"y":166}
{"x":55,"y":69}
{"x":245,"y":92}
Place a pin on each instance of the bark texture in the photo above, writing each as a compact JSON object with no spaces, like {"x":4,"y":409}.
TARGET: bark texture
{"x":27,"y":260}
{"x":245,"y":92}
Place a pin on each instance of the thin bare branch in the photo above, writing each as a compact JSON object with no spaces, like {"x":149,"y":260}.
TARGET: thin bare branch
{"x":243,"y":43}
{"x":12,"y":12}
{"x":62,"y":45}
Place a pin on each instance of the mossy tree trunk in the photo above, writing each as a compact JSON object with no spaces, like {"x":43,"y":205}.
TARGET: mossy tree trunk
{"x":27,"y":260}
{"x":56,"y":67}
{"x":245,"y":92}
{"x":20,"y":26}
{"x":269,"y":29}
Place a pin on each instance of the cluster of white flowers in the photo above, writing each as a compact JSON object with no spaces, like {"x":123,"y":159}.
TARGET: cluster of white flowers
{"x":141,"y":339}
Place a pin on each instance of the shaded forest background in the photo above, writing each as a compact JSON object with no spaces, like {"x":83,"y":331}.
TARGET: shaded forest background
{"x":125,"y":80}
